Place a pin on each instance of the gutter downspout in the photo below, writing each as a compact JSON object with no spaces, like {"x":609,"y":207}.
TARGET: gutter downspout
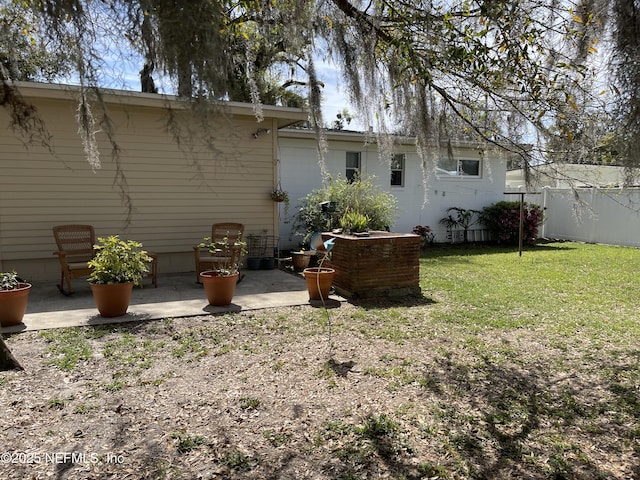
{"x":276,"y":177}
{"x":1,"y":240}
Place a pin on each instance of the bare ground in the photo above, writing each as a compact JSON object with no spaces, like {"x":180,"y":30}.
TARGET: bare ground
{"x":261,"y":395}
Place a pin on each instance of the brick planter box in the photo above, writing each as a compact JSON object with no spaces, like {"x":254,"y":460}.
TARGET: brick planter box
{"x":382,"y":264}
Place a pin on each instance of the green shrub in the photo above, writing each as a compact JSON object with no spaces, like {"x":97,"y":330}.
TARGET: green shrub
{"x":118,"y":261}
{"x":360,"y":196}
{"x":354,"y":222}
{"x":503,"y":221}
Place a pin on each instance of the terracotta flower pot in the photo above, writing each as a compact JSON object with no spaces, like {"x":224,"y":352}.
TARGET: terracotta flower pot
{"x":112,"y":300}
{"x":219,"y":289}
{"x":13,"y":304}
{"x":319,"y":282}
{"x":300,"y":260}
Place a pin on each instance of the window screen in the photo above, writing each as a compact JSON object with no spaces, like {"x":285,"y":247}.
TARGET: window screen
{"x":397,"y":170}
{"x":352,"y":165}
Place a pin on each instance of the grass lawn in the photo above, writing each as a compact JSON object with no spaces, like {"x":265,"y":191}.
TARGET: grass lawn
{"x":507,"y":367}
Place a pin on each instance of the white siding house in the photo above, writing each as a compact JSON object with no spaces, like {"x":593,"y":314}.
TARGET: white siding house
{"x":469,"y":181}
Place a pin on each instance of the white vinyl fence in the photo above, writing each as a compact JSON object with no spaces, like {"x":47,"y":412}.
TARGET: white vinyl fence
{"x":595,"y":215}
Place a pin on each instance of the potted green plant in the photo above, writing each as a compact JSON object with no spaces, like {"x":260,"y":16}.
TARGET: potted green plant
{"x":280,"y":196}
{"x":14,"y":295}
{"x":117,"y":266}
{"x":427,"y":237}
{"x":354,"y":222}
{"x":220,"y":282}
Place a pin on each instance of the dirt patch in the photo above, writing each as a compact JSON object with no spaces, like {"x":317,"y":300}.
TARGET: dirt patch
{"x":384,"y":392}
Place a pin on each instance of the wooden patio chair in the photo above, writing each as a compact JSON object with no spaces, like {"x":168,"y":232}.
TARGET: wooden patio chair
{"x":206,"y":260}
{"x":75,"y":249}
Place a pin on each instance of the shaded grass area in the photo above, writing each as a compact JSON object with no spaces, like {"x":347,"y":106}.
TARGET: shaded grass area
{"x":508,"y":367}
{"x":540,"y":352}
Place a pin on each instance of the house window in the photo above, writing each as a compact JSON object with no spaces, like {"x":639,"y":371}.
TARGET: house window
{"x":397,"y":170}
{"x":353,"y":165}
{"x":458,"y":167}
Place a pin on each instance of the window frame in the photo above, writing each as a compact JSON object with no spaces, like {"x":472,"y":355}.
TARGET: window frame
{"x":401,"y":169}
{"x":352,"y":172}
{"x":459,"y":161}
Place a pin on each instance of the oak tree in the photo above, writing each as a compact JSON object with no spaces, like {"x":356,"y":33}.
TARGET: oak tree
{"x":514,"y":75}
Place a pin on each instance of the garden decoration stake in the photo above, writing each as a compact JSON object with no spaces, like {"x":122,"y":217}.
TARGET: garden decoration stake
{"x":317,"y":242}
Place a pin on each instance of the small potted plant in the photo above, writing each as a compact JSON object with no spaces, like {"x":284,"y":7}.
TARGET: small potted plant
{"x":117,"y":266}
{"x":14,"y":295}
{"x":278,"y":195}
{"x":220,"y":282}
{"x":354,"y":222}
{"x":427,"y":237}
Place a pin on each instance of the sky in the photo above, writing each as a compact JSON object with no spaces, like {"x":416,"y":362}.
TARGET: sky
{"x":334,"y":98}
{"x":122,"y":72}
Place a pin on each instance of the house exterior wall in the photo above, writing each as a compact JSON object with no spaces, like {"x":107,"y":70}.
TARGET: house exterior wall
{"x":176,"y":190}
{"x":300,"y":174}
{"x":567,"y":176}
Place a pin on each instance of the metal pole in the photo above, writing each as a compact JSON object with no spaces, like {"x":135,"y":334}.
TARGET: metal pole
{"x":521,"y":226}
{"x":521,"y":229}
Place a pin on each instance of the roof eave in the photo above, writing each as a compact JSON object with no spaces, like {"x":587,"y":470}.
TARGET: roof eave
{"x":285,"y":116}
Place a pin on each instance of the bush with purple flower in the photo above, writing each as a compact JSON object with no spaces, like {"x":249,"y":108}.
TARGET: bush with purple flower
{"x":426,"y":235}
{"x":503,"y":221}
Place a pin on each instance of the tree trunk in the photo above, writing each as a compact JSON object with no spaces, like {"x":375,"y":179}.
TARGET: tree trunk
{"x":185,"y":79}
{"x":7,"y":360}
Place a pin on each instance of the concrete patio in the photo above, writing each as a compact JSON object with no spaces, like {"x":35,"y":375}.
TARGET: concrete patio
{"x":177,"y":295}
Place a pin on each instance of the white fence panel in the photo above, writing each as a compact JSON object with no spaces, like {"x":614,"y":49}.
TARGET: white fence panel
{"x":597,"y":215}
